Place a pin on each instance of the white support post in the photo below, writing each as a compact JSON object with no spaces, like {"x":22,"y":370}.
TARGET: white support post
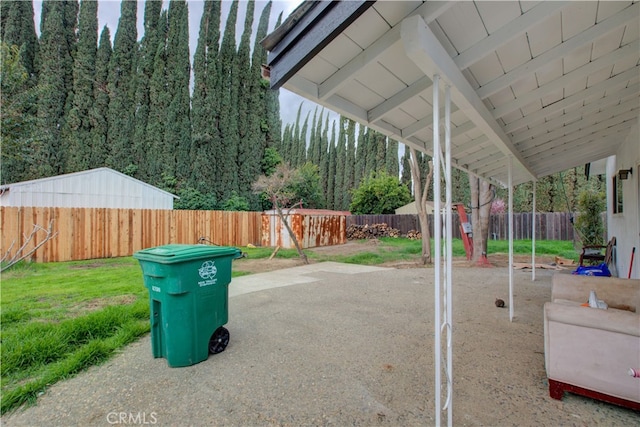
{"x":510,"y":183}
{"x":436,"y":237}
{"x":533,"y":235}
{"x":449,"y":255}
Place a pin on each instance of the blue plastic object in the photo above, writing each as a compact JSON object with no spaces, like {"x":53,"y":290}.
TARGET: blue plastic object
{"x":593,"y":270}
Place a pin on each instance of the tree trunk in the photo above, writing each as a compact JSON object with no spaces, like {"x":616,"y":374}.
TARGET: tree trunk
{"x":420,"y":195}
{"x":283,"y":218}
{"x":486,"y":197}
{"x":481,"y":198}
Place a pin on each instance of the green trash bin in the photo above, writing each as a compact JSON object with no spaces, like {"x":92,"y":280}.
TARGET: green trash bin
{"x":188,"y":296}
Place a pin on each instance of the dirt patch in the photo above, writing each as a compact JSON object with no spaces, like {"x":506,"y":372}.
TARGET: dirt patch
{"x":349,"y":248}
{"x":95,"y":265}
{"x":262,"y":265}
{"x":100,"y":303}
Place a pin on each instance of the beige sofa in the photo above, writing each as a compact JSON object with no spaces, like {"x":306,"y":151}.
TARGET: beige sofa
{"x":589,"y":351}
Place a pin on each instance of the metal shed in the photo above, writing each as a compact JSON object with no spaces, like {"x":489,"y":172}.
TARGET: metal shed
{"x":312,"y":227}
{"x":94,"y":188}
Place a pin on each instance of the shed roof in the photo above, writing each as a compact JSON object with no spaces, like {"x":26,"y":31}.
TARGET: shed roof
{"x":551,"y":85}
{"x":79,"y":175}
{"x":306,"y":211}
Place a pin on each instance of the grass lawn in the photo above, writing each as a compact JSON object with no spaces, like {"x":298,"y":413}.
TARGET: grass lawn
{"x":391,"y":249}
{"x":60,"y":318}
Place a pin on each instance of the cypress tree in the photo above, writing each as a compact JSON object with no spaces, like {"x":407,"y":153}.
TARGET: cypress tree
{"x":18,"y":124}
{"x":381,"y":152}
{"x":79,"y":120}
{"x":317,"y":153}
{"x":227,"y":181}
{"x":370,"y":153}
{"x":285,"y":145}
{"x":158,"y":104}
{"x":391,"y":161}
{"x":19,"y":29}
{"x":302,"y":142}
{"x":176,"y":155}
{"x":271,"y":97}
{"x":292,"y":149}
{"x":340,"y":165}
{"x":144,"y":72}
{"x":349,"y":164}
{"x":324,"y":158}
{"x":122,"y":90}
{"x":311,"y":155}
{"x":262,"y":122}
{"x":405,"y":179}
{"x":260,"y":86}
{"x":205,"y":107}
{"x":250,"y":149}
{"x":331,"y":176}
{"x":100,"y":107}
{"x":361,"y":156}
{"x":57,"y":44}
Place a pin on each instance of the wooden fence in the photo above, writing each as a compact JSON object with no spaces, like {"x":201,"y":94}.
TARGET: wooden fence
{"x":549,"y":226}
{"x":89,"y":233}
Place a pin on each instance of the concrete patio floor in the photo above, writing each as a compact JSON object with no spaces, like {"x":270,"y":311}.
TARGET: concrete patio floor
{"x":337,"y":344}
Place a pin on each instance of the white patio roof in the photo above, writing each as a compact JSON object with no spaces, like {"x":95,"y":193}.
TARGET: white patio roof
{"x":554,"y":85}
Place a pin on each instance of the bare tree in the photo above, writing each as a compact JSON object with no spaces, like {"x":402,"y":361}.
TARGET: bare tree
{"x":8,"y":260}
{"x":279,"y":189}
{"x":420,"y":194}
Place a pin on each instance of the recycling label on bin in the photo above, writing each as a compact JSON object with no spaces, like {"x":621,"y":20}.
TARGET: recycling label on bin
{"x":208,"y":273}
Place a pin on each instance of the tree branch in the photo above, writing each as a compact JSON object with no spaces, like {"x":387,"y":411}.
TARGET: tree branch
{"x":19,"y":256}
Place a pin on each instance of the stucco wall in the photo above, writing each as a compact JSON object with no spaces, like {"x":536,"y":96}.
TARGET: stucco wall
{"x":625,"y":226}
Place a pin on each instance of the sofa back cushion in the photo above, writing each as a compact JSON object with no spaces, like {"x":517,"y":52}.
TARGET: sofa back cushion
{"x":616,"y":292}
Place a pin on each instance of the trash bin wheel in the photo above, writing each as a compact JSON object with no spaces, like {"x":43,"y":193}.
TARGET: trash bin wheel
{"x":219,"y":340}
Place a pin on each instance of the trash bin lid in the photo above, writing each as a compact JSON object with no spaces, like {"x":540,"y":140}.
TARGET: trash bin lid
{"x":176,"y":253}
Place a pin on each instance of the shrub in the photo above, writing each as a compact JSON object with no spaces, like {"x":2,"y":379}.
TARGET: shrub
{"x":589,"y":224}
{"x":380,"y":193}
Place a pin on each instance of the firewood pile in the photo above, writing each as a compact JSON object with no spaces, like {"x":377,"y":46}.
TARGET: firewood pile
{"x":414,"y":235}
{"x":373,"y":231}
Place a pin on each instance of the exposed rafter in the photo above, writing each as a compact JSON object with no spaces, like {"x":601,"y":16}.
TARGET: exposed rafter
{"x":423,"y":123}
{"x":579,"y":97}
{"x":559,"y":83}
{"x":367,"y":56}
{"x":547,"y":149}
{"x":581,"y":39}
{"x":502,"y":36}
{"x":591,"y":142}
{"x":399,"y":98}
{"x":424,"y":49}
{"x":594,"y":122}
{"x":594,"y":107}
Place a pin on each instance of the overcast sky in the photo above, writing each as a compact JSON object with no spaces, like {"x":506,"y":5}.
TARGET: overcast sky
{"x":109,"y":12}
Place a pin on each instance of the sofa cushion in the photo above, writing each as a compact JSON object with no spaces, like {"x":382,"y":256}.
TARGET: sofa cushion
{"x":611,"y":319}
